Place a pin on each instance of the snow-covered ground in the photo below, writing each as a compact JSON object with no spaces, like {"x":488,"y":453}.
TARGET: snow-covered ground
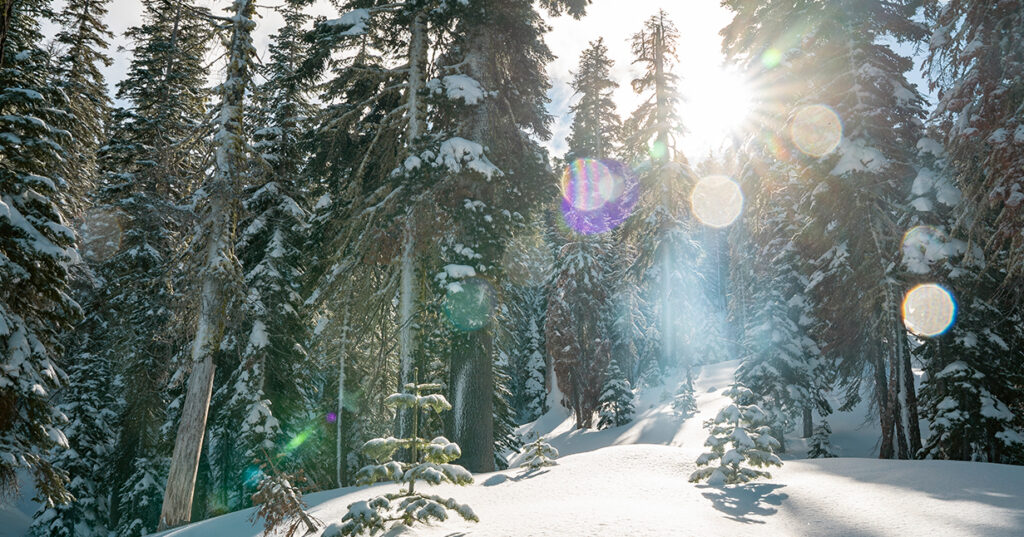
{"x":631,"y":480}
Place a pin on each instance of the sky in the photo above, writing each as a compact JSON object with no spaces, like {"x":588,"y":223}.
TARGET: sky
{"x":715,"y":98}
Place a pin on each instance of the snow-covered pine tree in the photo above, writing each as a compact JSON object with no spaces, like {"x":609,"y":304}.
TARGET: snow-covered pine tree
{"x":820,"y":444}
{"x":860,"y":177}
{"x":83,"y":36}
{"x":88,"y":403}
{"x":574,"y":331}
{"x":967,"y":389}
{"x":538,"y":455}
{"x":684,"y":402}
{"x":431,"y":463}
{"x":976,"y":63}
{"x":662,"y":230}
{"x":741,"y":443}
{"x":36,"y":251}
{"x":615,"y":404}
{"x":213,"y":253}
{"x":149,"y":163}
{"x":596,"y":128}
{"x":268,"y":389}
{"x":509,"y":118}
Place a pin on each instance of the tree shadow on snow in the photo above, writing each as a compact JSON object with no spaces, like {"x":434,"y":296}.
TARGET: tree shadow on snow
{"x":529,"y":473}
{"x":740,"y":502}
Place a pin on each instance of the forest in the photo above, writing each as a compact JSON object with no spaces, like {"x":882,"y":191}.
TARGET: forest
{"x":220,"y":281}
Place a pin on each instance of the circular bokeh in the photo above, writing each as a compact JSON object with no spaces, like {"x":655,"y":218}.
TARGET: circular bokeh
{"x":597,"y":195}
{"x":717,"y":201}
{"x":928,"y":310}
{"x":470,"y":303}
{"x":816,"y":130}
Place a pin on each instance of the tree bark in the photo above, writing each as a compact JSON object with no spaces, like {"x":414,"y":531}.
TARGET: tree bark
{"x":808,"y":423}
{"x":472,"y":385}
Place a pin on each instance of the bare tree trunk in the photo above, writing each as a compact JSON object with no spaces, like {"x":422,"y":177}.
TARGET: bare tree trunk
{"x":808,"y":423}
{"x":219,"y":268}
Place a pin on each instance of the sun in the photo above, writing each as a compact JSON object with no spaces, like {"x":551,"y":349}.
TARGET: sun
{"x":717,"y":104}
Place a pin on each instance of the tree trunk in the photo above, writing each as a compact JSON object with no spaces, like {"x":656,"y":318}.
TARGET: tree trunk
{"x":808,"y":423}
{"x":885,"y":449}
{"x":5,"y":26}
{"x":472,"y":385}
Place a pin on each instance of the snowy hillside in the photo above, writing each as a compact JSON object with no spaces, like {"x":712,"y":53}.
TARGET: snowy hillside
{"x":631,"y":480}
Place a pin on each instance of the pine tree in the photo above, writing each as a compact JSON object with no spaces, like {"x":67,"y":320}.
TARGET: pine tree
{"x":574,"y":331}
{"x":654,"y":126}
{"x":820,"y":445}
{"x":596,"y":129}
{"x":538,"y":455}
{"x":861,"y":176}
{"x":84,"y":37}
{"x":36,"y":252}
{"x":267,"y":390}
{"x":684,"y":403}
{"x":615,"y":405}
{"x":149,"y":163}
{"x":743,"y":428}
{"x":87,"y":402}
{"x":976,"y":63}
{"x":431,"y":462}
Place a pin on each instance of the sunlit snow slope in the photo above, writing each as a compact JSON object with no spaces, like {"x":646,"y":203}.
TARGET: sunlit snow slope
{"x":631,"y":481}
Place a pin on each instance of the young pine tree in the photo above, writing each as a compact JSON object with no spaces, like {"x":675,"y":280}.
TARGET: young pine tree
{"x":741,"y":443}
{"x":430,"y":462}
{"x":615,"y":405}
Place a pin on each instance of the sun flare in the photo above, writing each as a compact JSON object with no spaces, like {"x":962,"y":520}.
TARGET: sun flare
{"x":717,"y":104}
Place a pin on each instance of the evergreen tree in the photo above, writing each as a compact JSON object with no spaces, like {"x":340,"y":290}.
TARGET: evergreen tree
{"x":84,"y":37}
{"x":615,"y":405}
{"x":976,"y":63}
{"x":430,"y":463}
{"x":654,"y":126}
{"x":36,"y":252}
{"x":596,"y":129}
{"x":820,"y":445}
{"x":575,"y":332}
{"x":538,"y":455}
{"x":149,"y":163}
{"x":857,"y":179}
{"x":744,"y":429}
{"x":89,"y":407}
{"x":213,"y":255}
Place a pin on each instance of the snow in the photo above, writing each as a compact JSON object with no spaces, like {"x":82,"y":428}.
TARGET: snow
{"x":355,"y":20}
{"x":456,"y":153}
{"x":632,"y":480}
{"x":460,"y":87}
{"x":856,"y":156}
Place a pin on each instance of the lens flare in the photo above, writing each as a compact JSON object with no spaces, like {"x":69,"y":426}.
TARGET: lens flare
{"x":816,"y":130}
{"x":332,"y":417}
{"x":717,"y":201}
{"x":298,"y":440}
{"x":771,"y":58}
{"x":597,"y":196}
{"x":928,"y":310}
{"x":588,"y":184}
{"x":469,"y":304}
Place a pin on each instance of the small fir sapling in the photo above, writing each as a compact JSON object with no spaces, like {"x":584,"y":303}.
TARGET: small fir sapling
{"x":279,"y":497}
{"x":430,"y":463}
{"x":744,"y":429}
{"x":616,"y":401}
{"x":684,"y":403}
{"x":820,"y":443}
{"x":539,"y":454}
